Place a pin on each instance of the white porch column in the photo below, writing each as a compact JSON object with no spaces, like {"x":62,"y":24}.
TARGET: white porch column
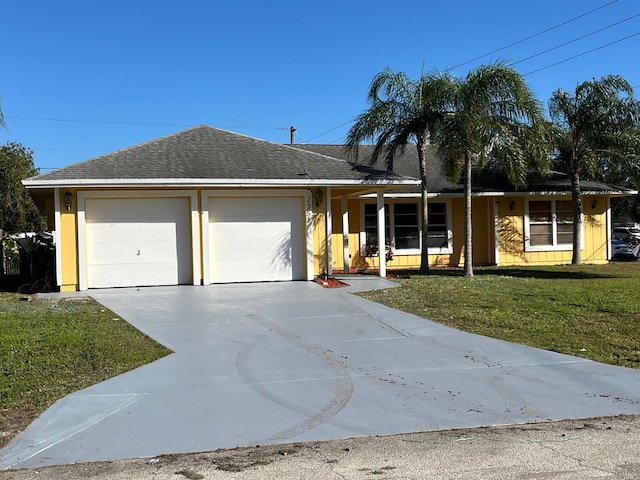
{"x":496,"y":232}
{"x":57,"y":230}
{"x":329,"y":234}
{"x":382,"y":241}
{"x":345,"y":234}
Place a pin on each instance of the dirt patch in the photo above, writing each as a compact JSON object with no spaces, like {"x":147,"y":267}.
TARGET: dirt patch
{"x":12,"y":422}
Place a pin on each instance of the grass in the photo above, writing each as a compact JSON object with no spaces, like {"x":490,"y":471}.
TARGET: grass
{"x":49,"y":349}
{"x":591,"y":311}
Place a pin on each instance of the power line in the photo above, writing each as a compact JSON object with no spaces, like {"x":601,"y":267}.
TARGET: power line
{"x":534,"y":35}
{"x":576,"y":39}
{"x":328,"y":131}
{"x":67,"y":120}
{"x":144,"y":124}
{"x":584,"y":53}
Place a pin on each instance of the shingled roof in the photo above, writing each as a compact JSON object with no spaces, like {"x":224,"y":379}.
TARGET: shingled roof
{"x":205,"y":155}
{"x":484,"y":181}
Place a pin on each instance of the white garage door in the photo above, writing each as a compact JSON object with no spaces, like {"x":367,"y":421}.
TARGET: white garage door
{"x":137,"y":241}
{"x":256,"y":239}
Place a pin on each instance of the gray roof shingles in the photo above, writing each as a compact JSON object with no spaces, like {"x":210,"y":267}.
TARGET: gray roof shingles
{"x":211,"y":155}
{"x":204,"y":153}
{"x":406,"y":164}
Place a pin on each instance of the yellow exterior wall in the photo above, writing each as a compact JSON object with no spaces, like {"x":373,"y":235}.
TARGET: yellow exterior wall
{"x":319,"y":234}
{"x":510,"y":236}
{"x":511,"y":233}
{"x":68,"y":245}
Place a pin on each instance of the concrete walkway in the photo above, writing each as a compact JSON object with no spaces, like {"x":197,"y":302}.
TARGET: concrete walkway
{"x":282,"y":362}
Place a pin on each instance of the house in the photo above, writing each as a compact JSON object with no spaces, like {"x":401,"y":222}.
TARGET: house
{"x":198,"y":207}
{"x":527,"y":226}
{"x":207,"y":206}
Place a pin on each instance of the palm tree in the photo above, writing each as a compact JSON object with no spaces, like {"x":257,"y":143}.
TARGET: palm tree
{"x":600,"y":119}
{"x":495,"y":119}
{"x":2,"y":124}
{"x":402,"y":112}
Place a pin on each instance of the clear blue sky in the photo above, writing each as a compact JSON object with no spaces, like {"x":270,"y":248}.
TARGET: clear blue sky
{"x":82,"y":78}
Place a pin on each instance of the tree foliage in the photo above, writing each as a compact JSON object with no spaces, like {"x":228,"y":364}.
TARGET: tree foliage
{"x":490,"y":116}
{"x":402,"y":112}
{"x":493,"y":119}
{"x":18,"y":212}
{"x":595,"y":134}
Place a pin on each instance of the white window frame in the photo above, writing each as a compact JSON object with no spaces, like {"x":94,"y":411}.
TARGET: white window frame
{"x":390,"y":203}
{"x":555,"y":246}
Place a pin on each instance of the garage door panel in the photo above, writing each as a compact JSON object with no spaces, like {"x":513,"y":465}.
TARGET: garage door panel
{"x":236,"y":270}
{"x":137,"y":241}
{"x":263,"y":229}
{"x":255,"y":239}
{"x":110,"y":275}
{"x":247,"y":207}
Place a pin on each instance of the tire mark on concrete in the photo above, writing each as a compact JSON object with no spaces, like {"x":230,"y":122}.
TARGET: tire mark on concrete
{"x":341,"y":383}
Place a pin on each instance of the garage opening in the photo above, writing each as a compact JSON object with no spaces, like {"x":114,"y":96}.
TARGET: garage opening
{"x":137,"y":242}
{"x":256,"y":239}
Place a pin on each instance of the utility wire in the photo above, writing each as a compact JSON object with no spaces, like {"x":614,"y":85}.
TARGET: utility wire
{"x":576,"y":39}
{"x":584,"y":53}
{"x":328,"y":131}
{"x":534,"y":35}
{"x":107,"y":122}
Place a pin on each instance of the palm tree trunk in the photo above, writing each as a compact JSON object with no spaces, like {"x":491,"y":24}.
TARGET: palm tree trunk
{"x":468,"y":234}
{"x":576,"y":198}
{"x":424,"y":252}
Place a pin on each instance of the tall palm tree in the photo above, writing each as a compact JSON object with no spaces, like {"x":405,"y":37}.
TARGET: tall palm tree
{"x":402,"y":112}
{"x":2,"y":124}
{"x":599,"y":119}
{"x":494,"y":117}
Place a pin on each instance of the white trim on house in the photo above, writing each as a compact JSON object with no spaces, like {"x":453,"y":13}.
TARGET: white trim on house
{"x":382,"y":241}
{"x":209,"y":182}
{"x":56,"y":235}
{"x":346,"y":264}
{"x":82,"y":196}
{"x":555,"y":247}
{"x":329,"y":220}
{"x":615,"y":193}
{"x":609,"y":229}
{"x":309,"y":235}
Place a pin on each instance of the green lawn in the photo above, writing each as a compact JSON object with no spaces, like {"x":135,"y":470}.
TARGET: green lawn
{"x":591,"y":311}
{"x":51,"y":348}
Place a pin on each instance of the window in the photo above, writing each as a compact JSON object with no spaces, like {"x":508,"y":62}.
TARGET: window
{"x":437,"y":231}
{"x":371,"y":223}
{"x":549,"y":225}
{"x":403,"y":226}
{"x":406,"y":226}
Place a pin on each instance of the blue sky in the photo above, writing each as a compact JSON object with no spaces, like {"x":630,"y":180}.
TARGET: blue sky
{"x":79,"y":79}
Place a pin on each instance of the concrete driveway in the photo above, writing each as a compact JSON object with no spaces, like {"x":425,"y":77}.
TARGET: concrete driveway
{"x":280,"y":362}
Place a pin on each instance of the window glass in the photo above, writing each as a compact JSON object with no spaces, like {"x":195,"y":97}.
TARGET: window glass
{"x":550,"y":223}
{"x":438,"y":233}
{"x":540,"y":211}
{"x":403,"y":225}
{"x":406,"y":228}
{"x":371,"y":223}
{"x":541,"y":234}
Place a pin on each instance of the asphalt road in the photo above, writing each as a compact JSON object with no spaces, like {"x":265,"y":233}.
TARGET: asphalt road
{"x":596,"y":448}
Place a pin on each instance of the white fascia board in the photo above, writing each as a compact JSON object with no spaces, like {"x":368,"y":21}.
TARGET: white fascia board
{"x":191,"y":182}
{"x":616,"y":193}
